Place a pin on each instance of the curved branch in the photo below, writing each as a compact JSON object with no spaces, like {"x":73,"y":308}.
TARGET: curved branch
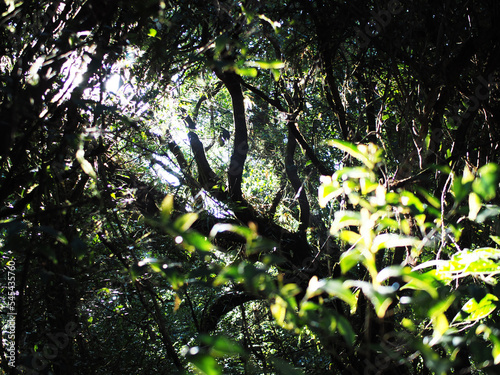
{"x":240,"y":148}
{"x":220,"y":307}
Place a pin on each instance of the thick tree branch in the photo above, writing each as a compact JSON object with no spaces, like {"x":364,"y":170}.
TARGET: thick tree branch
{"x":240,"y":147}
{"x":207,"y":177}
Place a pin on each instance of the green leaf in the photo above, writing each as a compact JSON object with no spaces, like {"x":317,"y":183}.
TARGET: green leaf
{"x":350,"y":236}
{"x":345,"y":329}
{"x":389,"y":241}
{"x":381,"y":298}
{"x":489,"y":334}
{"x":474,"y":205}
{"x":429,"y":197}
{"x":496,"y":239}
{"x":222,"y":345}
{"x":205,"y":363}
{"x":197,"y":240}
{"x":274,"y":64}
{"x":250,"y":72}
{"x":360,"y":152}
{"x":475,"y":311}
{"x":328,"y":190}
{"x":352,"y":173}
{"x":345,"y":219}
{"x":480,"y":262}
{"x":486,"y":184}
{"x":184,"y":222}
{"x":167,"y":206}
{"x":441,"y":306}
{"x":334,"y":288}
{"x":246,"y":232}
{"x":410,"y":200}
{"x":152,"y":33}
{"x":349,"y":259}
{"x":417,"y":281}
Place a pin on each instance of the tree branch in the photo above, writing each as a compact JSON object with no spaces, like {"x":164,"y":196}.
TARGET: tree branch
{"x":294,"y":130}
{"x":298,"y":186}
{"x":240,"y":147}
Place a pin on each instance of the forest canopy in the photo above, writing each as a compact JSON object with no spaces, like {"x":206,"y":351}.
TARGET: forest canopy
{"x":249,"y":187}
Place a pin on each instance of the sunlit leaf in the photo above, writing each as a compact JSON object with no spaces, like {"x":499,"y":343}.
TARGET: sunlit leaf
{"x":381,"y":298}
{"x":496,"y":239}
{"x":460,"y":189}
{"x":474,"y":205}
{"x":425,"y":281}
{"x":275,"y":64}
{"x":85,"y":164}
{"x":248,"y":233}
{"x":334,"y":288}
{"x":352,"y":150}
{"x":278,"y":310}
{"x":345,"y":219}
{"x":475,"y":311}
{"x":389,"y":240}
{"x":350,"y":236}
{"x":410,"y":200}
{"x":328,"y":190}
{"x":468,"y":176}
{"x":352,"y":172}
{"x":441,"y":306}
{"x":167,"y":206}
{"x":429,"y":197}
{"x":440,"y":324}
{"x":349,"y":259}
{"x":274,"y":24}
{"x":250,"y":72}
{"x":276,"y":74}
{"x":184,"y":222}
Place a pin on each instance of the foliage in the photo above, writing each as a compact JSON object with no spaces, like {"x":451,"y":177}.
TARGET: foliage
{"x":172,"y":202}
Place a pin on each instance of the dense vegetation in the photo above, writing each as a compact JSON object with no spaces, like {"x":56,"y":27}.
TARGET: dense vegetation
{"x":252,"y":187}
